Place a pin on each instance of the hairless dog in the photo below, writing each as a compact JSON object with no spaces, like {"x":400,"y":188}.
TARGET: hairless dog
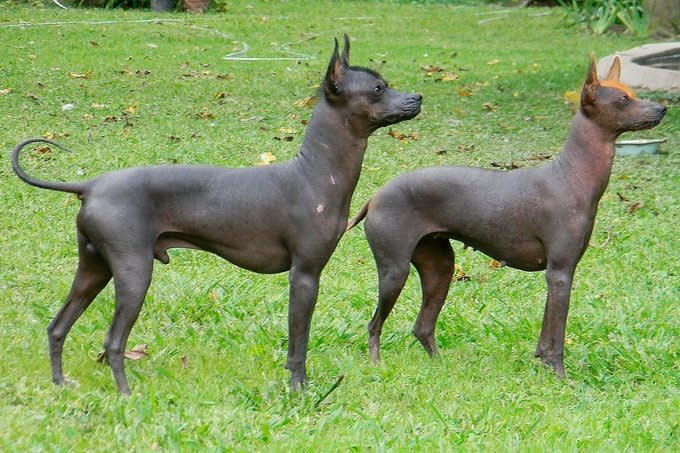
{"x":285,"y":217}
{"x":530,"y":219}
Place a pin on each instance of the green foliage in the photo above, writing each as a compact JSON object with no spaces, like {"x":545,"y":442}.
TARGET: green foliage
{"x":601,"y":16}
{"x":146,"y":93}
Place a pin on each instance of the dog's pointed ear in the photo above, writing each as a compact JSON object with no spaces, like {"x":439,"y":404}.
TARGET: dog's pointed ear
{"x":615,"y":70}
{"x":591,"y":78}
{"x":345,"y":50}
{"x":335,"y":72}
{"x":591,"y":84}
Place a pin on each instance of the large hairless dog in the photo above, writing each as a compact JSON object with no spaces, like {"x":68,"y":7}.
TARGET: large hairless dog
{"x":286,"y":217}
{"x":531,"y":219}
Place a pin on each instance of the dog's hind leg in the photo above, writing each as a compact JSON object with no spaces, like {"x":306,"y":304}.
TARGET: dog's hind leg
{"x":91,"y":277}
{"x":433,"y":258}
{"x":131,"y":278}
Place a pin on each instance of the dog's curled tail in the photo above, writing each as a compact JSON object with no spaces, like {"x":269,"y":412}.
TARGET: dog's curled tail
{"x":359,"y":217}
{"x":72,"y":187}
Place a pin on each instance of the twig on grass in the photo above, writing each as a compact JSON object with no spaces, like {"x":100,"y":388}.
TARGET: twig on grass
{"x":337,"y":383}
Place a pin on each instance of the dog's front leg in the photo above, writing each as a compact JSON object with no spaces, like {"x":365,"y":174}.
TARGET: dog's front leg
{"x":304,"y":289}
{"x":551,"y":341}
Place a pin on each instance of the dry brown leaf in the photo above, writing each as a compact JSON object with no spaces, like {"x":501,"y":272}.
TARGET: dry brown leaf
{"x":305,"y":102}
{"x":633,"y":207}
{"x":80,"y":75}
{"x":55,"y":135}
{"x":449,"y":77}
{"x":496,"y":264}
{"x":403,"y":138}
{"x":5,"y":91}
{"x":138,"y":352}
{"x":464,"y":92}
{"x":204,"y":115}
{"x":459,"y":274}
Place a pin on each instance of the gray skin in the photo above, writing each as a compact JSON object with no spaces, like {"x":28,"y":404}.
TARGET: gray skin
{"x":285,"y":217}
{"x":530,"y":219}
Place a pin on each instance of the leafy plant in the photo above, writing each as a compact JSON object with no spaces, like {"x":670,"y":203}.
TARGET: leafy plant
{"x":602,"y":15}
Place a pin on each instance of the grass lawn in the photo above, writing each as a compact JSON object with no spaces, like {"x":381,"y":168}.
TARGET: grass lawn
{"x":123,"y":93}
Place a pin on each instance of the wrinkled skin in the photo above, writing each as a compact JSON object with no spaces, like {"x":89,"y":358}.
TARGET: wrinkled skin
{"x":530,"y":219}
{"x":286,"y":217}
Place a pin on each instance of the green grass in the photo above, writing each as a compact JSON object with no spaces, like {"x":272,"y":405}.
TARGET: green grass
{"x":214,"y":378}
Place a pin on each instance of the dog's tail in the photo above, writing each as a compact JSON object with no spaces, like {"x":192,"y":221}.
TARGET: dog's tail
{"x":72,"y":187}
{"x":359,"y":217}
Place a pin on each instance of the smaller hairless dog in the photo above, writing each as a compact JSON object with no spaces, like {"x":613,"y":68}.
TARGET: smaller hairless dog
{"x":530,"y":219}
{"x":286,"y":217}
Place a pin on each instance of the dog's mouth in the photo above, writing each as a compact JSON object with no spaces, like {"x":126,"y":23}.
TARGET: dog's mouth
{"x":406,"y":112}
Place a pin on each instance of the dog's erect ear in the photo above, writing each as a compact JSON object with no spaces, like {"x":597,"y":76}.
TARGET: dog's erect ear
{"x":335,"y":72}
{"x":591,"y":84}
{"x":615,"y":70}
{"x":345,"y":50}
{"x":591,"y":78}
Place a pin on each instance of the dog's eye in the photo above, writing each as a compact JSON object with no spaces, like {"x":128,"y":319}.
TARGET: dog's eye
{"x":624,"y":99}
{"x":378,"y":89}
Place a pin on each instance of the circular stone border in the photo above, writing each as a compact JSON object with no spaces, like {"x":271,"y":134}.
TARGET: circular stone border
{"x":646,"y":78}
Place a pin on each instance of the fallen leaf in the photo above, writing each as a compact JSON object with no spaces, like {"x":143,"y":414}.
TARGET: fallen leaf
{"x":496,"y":264}
{"x":98,"y":106}
{"x":286,"y":130}
{"x":285,"y":138}
{"x":266,"y":158}
{"x":174,"y":138}
{"x":111,"y":119}
{"x":80,"y":75}
{"x":464,"y":92}
{"x":220,"y":95}
{"x":489,"y":107}
{"x":53,"y":136}
{"x":137,"y":353}
{"x":449,"y":77}
{"x":493,"y":62}
{"x":94,"y":43}
{"x":152,"y":45}
{"x":459,"y":274}
{"x":5,"y":91}
{"x":430,"y":69}
{"x":184,"y":360}
{"x":511,"y":166}
{"x":465,"y":147}
{"x":305,"y":102}
{"x":635,"y":206}
{"x":204,"y":115}
{"x":32,"y":96}
{"x":131,"y":109}
{"x":403,"y":138}
{"x":539,"y":156}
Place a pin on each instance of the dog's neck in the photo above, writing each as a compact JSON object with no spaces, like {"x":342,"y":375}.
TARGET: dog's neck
{"x":331,"y":153}
{"x":587,"y":157}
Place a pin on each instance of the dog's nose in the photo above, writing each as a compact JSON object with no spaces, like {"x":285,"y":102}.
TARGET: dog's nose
{"x":418,"y":97}
{"x":662,"y":110}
